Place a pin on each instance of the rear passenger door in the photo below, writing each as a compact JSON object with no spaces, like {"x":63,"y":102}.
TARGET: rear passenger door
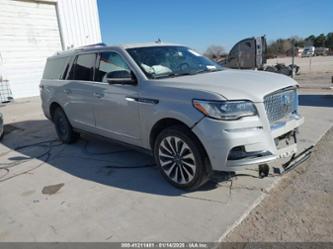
{"x":116,"y":116}
{"x":78,"y":92}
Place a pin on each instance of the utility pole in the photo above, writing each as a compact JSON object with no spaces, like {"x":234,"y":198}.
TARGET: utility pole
{"x":293,"y":58}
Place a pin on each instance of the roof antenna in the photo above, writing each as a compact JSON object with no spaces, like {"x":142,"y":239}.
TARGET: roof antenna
{"x":158,"y":41}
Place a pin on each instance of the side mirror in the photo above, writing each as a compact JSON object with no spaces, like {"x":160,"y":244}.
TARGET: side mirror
{"x":121,"y":77}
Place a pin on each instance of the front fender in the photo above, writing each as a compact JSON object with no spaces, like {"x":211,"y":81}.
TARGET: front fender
{"x":177,"y":110}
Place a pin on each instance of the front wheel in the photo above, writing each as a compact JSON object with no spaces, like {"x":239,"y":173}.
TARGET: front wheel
{"x":181,"y":158}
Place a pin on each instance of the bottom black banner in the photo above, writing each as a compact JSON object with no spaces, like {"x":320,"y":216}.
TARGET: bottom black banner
{"x":222,"y":245}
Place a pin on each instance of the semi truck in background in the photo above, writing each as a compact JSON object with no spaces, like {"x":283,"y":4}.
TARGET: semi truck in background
{"x":251,"y":53}
{"x":309,"y":51}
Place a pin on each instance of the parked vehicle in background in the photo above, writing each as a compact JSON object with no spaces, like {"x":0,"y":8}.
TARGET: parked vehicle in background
{"x":308,"y":51}
{"x":321,"y":51}
{"x":1,"y":126}
{"x":251,"y":53}
{"x":195,"y":116}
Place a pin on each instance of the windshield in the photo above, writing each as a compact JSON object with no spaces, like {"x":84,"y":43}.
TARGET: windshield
{"x":171,"y":61}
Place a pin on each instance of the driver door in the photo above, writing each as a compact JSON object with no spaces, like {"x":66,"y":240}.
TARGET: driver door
{"x":116,"y":116}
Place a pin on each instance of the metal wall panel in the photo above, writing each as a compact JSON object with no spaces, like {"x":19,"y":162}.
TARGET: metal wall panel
{"x":79,"y":22}
{"x":28,"y":35}
{"x":30,"y":31}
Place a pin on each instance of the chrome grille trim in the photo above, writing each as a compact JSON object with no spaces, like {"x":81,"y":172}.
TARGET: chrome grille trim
{"x":279,"y":105}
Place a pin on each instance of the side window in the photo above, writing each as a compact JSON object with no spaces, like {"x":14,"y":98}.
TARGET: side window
{"x":84,"y":67}
{"x":68,"y":64}
{"x":54,"y":68}
{"x":109,"y":62}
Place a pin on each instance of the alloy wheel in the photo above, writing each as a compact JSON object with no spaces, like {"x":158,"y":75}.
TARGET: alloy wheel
{"x":177,"y":160}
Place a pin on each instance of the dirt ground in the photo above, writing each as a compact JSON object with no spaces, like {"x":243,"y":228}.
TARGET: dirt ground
{"x":299,"y":208}
{"x":317,"y":64}
{"x":315,"y":72}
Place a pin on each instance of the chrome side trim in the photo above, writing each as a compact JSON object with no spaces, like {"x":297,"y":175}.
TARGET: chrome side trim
{"x":142,"y":100}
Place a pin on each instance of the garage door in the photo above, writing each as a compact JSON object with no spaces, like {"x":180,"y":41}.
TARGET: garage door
{"x":29,"y":33}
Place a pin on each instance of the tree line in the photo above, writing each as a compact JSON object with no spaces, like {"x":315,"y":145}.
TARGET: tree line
{"x":281,"y":47}
{"x":284,"y":46}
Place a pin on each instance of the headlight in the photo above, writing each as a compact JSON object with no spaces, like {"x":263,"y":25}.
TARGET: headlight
{"x":226,"y":110}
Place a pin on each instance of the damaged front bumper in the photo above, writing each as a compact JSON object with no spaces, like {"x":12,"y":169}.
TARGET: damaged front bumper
{"x":236,"y":145}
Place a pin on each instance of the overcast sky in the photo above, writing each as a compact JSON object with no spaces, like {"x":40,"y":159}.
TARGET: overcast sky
{"x":200,"y":23}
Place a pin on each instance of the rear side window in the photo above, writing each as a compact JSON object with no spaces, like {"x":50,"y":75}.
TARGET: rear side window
{"x":54,"y":68}
{"x":84,"y":67}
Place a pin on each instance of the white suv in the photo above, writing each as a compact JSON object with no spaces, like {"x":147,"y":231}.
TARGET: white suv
{"x":195,"y":116}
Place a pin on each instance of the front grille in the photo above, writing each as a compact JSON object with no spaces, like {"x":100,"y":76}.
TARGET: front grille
{"x":281,"y":104}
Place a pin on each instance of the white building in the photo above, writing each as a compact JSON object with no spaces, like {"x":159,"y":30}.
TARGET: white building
{"x":32,"y":30}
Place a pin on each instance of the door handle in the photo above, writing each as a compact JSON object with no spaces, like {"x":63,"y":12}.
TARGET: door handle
{"x":67,"y":91}
{"x":98,"y":95}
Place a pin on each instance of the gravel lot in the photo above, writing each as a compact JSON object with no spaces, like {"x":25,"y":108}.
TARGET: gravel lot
{"x":314,"y":71}
{"x":299,"y":208}
{"x":317,"y":64}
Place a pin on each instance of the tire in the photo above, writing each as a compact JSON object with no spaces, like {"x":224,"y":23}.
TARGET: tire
{"x":2,"y":128}
{"x":181,"y":158}
{"x":63,"y":128}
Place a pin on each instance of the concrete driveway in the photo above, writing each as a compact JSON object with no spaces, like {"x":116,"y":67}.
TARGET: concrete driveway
{"x":100,"y":191}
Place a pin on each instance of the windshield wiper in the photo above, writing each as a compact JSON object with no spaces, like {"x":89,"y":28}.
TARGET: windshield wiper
{"x":206,"y":70}
{"x":171,"y":75}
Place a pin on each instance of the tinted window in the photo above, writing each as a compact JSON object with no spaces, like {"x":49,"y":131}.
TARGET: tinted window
{"x":84,"y":67}
{"x":109,"y":62}
{"x":68,"y":64}
{"x":54,"y":68}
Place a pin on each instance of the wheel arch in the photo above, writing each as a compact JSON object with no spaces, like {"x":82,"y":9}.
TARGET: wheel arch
{"x":169,"y":122}
{"x":161,"y":125}
{"x":53,"y":107}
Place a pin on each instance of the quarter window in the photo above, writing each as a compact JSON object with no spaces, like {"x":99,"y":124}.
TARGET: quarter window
{"x":109,"y":62}
{"x":54,"y":68}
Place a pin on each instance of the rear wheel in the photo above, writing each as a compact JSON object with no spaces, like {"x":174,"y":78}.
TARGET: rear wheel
{"x":2,"y":132}
{"x":181,"y":158}
{"x":63,"y":128}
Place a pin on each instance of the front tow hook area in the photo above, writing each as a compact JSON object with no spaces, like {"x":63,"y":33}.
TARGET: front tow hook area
{"x":263,"y":170}
{"x":295,"y":160}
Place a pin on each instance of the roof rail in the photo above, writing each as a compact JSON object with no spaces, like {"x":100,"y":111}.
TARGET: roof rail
{"x":95,"y":45}
{"x":101,"y":44}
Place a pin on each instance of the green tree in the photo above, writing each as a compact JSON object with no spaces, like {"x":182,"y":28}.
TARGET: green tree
{"x":320,"y":41}
{"x":329,"y":40}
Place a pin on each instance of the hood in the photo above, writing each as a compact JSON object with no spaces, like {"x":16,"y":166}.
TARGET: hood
{"x":233,"y":84}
